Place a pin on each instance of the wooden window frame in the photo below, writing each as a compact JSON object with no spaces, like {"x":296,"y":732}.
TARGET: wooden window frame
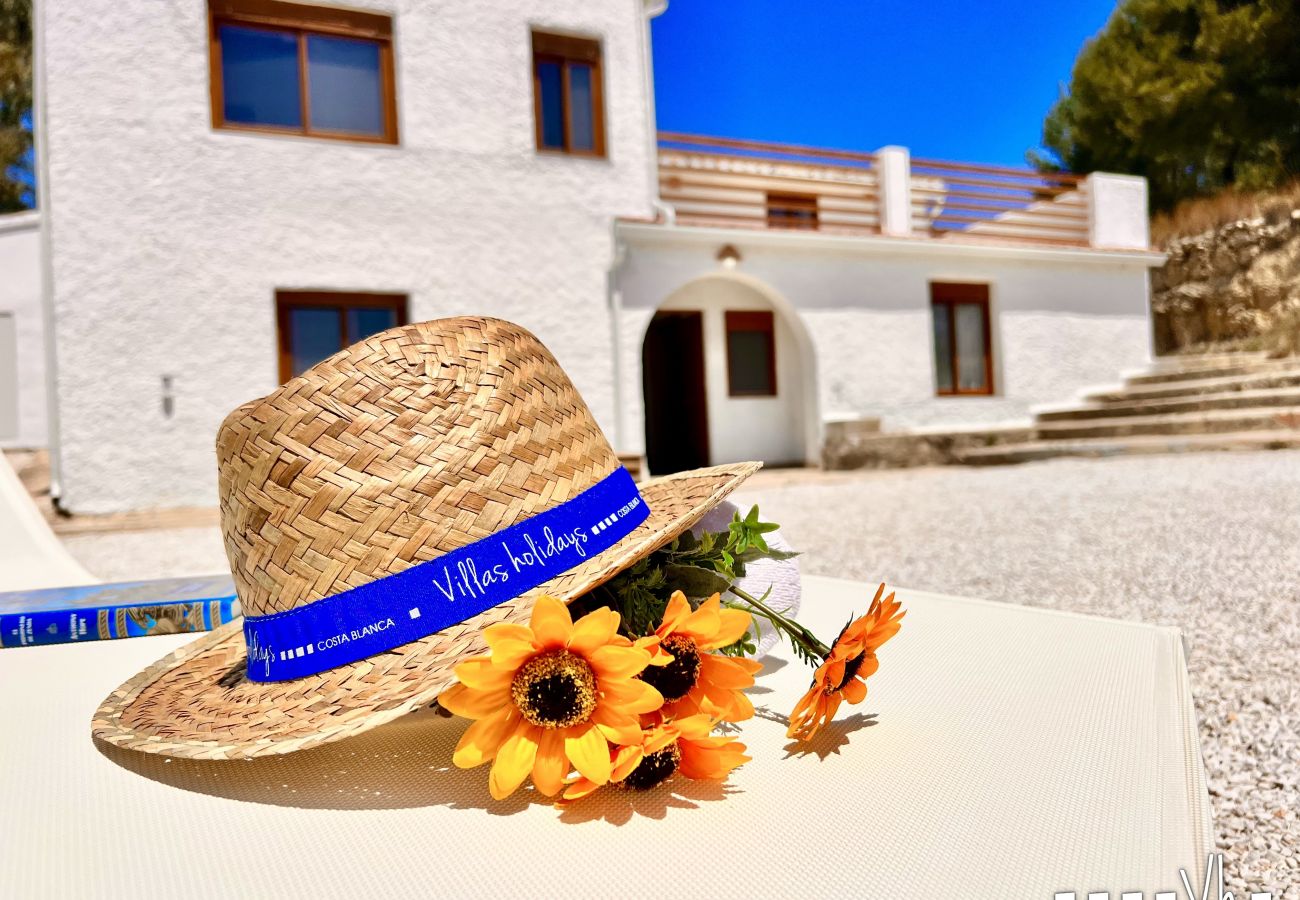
{"x":791,"y":202}
{"x":287,"y":300}
{"x":944,"y":299}
{"x":302,"y":20}
{"x":752,"y":320}
{"x":564,"y":50}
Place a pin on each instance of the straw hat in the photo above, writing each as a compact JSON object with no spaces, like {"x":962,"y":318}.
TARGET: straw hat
{"x":395,"y":451}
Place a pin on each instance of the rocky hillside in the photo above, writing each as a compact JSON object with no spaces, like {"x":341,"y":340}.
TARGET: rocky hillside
{"x":1236,"y":286}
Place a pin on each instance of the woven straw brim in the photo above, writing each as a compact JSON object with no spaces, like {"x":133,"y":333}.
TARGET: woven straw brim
{"x":196,"y":703}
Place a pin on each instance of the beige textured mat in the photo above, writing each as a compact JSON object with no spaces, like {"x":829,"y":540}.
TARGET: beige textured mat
{"x":1002,"y":752}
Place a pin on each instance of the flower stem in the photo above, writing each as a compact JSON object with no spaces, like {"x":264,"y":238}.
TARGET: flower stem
{"x":792,"y":629}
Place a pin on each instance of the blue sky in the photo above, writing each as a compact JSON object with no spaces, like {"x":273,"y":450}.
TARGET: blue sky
{"x":955,"y":80}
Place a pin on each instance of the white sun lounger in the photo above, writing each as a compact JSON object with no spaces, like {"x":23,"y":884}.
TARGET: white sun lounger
{"x":30,"y":555}
{"x":1002,"y":751}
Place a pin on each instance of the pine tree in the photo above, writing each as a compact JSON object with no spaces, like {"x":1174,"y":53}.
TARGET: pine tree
{"x":1194,"y":94}
{"x":15,"y":105}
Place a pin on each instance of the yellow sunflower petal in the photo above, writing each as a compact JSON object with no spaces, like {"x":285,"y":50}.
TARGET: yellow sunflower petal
{"x":826,"y":710}
{"x":632,"y":696}
{"x":579,"y":788}
{"x":551,"y":622}
{"x":625,"y":760}
{"x":738,"y":706}
{"x":509,"y":655}
{"x":855,"y":691}
{"x":480,"y":742}
{"x":589,"y":752}
{"x":725,"y":671}
{"x":694,"y":727}
{"x":505,"y":631}
{"x":617,"y":726}
{"x":659,"y":738}
{"x":514,"y":761}
{"x":674,"y":614}
{"x":651,"y":644}
{"x":834,"y":672}
{"x":701,"y":761}
{"x":471,"y":704}
{"x":799,"y":715}
{"x":618,"y":662}
{"x":684,"y":706}
{"x":481,"y":674}
{"x":593,"y":630}
{"x":732,"y":625}
{"x":551,"y":765}
{"x":702,"y":624}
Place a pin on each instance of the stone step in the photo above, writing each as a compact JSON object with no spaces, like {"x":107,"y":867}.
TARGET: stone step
{"x":1183,"y":362}
{"x":1268,"y":379}
{"x":1289,"y":396}
{"x":1031,"y":451}
{"x":1236,"y":367}
{"x":1217,"y":421}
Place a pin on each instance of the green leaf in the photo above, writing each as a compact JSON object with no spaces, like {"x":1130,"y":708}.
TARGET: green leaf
{"x":696,"y":581}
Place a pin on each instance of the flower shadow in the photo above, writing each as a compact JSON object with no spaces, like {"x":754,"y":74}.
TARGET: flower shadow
{"x":617,"y":806}
{"x":832,"y":737}
{"x":404,"y":764}
{"x":770,"y":664}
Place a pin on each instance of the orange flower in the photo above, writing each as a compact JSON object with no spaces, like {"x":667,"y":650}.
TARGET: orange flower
{"x":684,"y":746}
{"x":550,"y":696}
{"x":693,"y":676}
{"x":851,"y":661}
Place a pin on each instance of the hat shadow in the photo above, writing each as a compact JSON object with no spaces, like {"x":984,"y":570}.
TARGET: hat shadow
{"x":404,"y":764}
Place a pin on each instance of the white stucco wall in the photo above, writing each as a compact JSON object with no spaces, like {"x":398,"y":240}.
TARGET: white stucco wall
{"x":170,"y":238}
{"x":1118,"y":211}
{"x":22,"y":368}
{"x":1062,"y":321}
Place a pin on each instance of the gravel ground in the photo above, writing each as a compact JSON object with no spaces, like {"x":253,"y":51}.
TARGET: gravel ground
{"x":1210,"y":543}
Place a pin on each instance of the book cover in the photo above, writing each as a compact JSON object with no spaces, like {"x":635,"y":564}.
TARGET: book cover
{"x":123,"y":609}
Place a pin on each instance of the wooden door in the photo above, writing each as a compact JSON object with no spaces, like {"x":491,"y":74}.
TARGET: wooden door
{"x":676,"y":409}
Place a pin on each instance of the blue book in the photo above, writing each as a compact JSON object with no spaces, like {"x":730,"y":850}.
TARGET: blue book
{"x":96,"y":612}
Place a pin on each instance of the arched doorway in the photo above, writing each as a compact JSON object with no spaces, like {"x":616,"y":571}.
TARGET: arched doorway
{"x":727,"y":375}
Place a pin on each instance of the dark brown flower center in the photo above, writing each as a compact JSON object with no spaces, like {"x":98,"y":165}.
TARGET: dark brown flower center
{"x":654,"y":769}
{"x":555,"y":689}
{"x":676,"y":679}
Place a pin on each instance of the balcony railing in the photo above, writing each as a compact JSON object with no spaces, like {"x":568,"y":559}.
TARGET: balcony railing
{"x":755,"y":184}
{"x":967,"y":200}
{"x":729,"y":183}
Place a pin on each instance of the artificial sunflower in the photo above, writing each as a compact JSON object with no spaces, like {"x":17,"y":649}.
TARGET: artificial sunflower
{"x":694,"y":676}
{"x":549,"y":696}
{"x":686,"y":746}
{"x":852,"y":659}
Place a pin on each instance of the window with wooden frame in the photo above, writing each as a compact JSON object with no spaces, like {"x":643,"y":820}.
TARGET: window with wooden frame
{"x":963,"y":339}
{"x":568,"y":94}
{"x":751,"y":354}
{"x":315,"y":324}
{"x":291,"y":68}
{"x":791,"y":211}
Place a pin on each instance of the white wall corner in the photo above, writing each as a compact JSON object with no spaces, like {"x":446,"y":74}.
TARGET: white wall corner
{"x":1118,"y":218}
{"x":893,"y":165}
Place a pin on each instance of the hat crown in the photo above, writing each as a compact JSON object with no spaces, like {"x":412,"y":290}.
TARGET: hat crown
{"x":405,"y":446}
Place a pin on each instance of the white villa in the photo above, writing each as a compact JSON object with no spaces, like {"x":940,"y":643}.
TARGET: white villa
{"x":231,"y":190}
